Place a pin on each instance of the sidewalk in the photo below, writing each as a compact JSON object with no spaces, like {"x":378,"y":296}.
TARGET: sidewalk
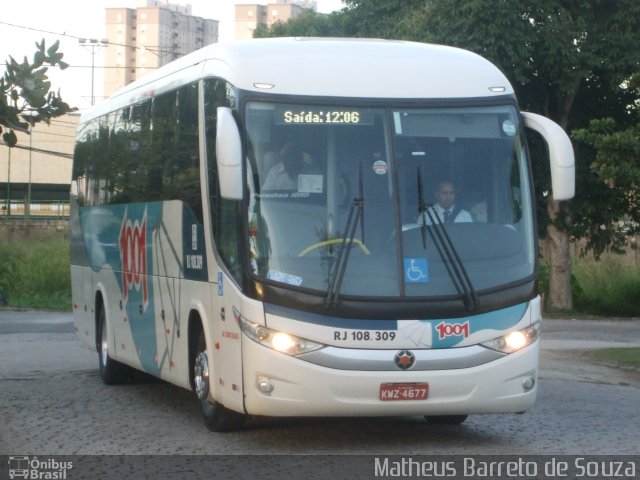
{"x":571,"y":334}
{"x":568,"y":345}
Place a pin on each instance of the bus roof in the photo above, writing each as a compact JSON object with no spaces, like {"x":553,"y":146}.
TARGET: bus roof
{"x":327,"y":67}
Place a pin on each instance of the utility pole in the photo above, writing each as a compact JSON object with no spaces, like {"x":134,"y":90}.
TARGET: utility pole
{"x":93,"y":45}
{"x":9,"y":183}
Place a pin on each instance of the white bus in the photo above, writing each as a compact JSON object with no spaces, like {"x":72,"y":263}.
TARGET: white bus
{"x":259,"y":222}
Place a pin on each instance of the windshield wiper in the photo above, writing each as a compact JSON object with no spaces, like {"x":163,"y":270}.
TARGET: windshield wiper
{"x":447,"y":250}
{"x":355,"y":217}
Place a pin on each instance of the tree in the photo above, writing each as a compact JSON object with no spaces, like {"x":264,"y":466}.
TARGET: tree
{"x":617,"y":163}
{"x":307,"y":24}
{"x":26,"y":98}
{"x":568,"y":60}
{"x":390,"y":19}
{"x":375,"y":19}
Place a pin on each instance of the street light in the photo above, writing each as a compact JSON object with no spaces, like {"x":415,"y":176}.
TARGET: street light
{"x":93,"y":45}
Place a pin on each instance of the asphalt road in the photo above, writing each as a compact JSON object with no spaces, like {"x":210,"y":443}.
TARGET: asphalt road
{"x":53,"y":402}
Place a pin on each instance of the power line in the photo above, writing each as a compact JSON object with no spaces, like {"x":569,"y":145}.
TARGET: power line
{"x":102,"y":67}
{"x":57,"y":120}
{"x":65,"y":34}
{"x":41,"y":132}
{"x":41,"y":150}
{"x":151,"y":49}
{"x":68,"y":125}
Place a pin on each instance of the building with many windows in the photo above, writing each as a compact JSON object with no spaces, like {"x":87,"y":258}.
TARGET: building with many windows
{"x":249,"y":16}
{"x":149,"y":36}
{"x":35,"y":175}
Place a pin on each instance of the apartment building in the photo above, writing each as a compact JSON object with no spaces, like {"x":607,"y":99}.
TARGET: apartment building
{"x":35,"y":175}
{"x":153,"y":34}
{"x":249,"y":16}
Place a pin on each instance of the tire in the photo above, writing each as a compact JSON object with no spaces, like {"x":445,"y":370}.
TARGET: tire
{"x":445,"y":419}
{"x":112,"y":372}
{"x":216,"y":416}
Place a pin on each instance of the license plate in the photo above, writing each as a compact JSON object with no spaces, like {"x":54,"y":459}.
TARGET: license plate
{"x":404,"y":391}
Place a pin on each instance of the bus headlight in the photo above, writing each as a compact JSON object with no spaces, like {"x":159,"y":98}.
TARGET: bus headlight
{"x":516,"y":340}
{"x":274,"y":339}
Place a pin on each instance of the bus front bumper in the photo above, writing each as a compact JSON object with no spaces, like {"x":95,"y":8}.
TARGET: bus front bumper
{"x":276,"y":384}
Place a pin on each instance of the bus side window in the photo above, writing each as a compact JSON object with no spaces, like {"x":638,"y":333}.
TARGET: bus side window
{"x":187,"y":158}
{"x":131,"y":183}
{"x":225,"y":214}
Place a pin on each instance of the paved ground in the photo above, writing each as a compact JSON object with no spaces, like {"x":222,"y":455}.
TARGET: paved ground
{"x":53,"y":402}
{"x":568,"y":341}
{"x":568,"y":346}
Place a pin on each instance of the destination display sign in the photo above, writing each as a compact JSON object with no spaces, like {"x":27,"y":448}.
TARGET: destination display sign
{"x":307,"y":115}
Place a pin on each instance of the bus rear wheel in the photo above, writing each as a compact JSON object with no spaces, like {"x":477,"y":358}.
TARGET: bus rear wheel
{"x":216,"y":416}
{"x":445,"y":419}
{"x":112,"y":372}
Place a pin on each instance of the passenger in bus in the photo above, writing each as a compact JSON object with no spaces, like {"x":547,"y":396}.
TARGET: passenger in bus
{"x":284,"y":174}
{"x":445,"y":206}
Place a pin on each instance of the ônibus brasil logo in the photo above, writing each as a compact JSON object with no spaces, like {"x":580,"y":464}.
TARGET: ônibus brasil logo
{"x":133,"y":253}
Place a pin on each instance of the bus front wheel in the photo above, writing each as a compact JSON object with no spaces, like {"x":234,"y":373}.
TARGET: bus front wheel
{"x":216,"y":416}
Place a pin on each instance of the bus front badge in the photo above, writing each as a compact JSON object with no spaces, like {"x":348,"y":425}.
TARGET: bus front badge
{"x":404,"y":359}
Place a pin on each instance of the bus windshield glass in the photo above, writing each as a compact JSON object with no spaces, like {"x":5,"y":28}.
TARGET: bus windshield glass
{"x":388,"y":202}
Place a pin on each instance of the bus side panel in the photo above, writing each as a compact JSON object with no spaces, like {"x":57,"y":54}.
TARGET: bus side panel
{"x":195,"y":298}
{"x":194,"y":292}
{"x":226,"y":345}
{"x":164,"y":266}
{"x":82,"y":291}
{"x":82,"y":299}
{"x":120,"y":344}
{"x":135,"y":252}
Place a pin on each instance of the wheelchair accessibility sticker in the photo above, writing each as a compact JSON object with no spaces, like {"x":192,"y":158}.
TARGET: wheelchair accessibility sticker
{"x":416,"y":270}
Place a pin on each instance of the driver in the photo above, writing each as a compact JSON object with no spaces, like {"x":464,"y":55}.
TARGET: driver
{"x":284,"y":174}
{"x":445,"y":206}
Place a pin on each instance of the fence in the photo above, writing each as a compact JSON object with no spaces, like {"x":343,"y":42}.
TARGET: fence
{"x":38,"y":209}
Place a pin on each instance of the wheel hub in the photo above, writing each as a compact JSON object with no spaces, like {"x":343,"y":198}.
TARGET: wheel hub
{"x":201,"y":376}
{"x":104,"y":345}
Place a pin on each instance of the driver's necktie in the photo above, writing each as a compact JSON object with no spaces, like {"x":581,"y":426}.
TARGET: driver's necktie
{"x":447,"y":216}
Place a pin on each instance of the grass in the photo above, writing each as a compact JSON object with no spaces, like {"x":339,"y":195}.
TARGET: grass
{"x":607,"y":287}
{"x":621,"y":356}
{"x":36,"y":274}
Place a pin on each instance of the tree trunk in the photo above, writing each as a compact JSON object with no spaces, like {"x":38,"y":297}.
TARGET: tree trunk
{"x":557,"y":249}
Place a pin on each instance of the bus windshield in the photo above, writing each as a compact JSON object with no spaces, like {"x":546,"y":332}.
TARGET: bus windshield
{"x":424,"y":197}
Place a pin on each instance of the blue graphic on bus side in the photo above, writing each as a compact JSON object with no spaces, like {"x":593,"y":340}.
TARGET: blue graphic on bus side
{"x":120,"y":238}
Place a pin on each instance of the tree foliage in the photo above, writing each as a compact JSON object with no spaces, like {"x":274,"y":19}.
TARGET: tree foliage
{"x":307,"y":24}
{"x":570,"y":60}
{"x":26,"y":98}
{"x":616,"y":162}
{"x":567,"y":60}
{"x":390,"y":19}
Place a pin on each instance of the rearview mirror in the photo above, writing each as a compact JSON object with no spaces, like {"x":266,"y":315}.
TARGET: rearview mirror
{"x":229,"y":155}
{"x":561,"y":157}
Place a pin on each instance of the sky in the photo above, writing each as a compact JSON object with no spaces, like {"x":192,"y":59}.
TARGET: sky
{"x":85,"y":18}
